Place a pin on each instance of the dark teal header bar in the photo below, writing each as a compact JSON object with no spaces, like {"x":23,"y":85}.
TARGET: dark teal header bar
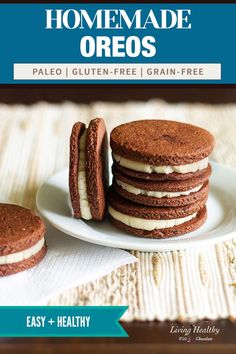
{"x":117,"y":43}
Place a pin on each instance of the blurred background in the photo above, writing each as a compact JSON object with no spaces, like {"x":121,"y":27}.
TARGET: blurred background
{"x":119,"y":93}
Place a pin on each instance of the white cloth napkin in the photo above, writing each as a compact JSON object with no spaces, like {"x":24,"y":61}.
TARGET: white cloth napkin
{"x":69,"y":262}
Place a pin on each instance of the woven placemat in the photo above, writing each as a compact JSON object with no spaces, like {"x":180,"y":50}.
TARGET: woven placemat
{"x":185,"y":285}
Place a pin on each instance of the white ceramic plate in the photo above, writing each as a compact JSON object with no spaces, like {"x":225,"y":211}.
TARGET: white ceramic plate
{"x":53,"y":203}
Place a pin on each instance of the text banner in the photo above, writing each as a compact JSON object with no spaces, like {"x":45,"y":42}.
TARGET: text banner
{"x":117,"y":43}
{"x":60,"y":321}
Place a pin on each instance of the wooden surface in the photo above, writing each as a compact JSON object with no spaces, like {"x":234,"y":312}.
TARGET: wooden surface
{"x":146,"y":337}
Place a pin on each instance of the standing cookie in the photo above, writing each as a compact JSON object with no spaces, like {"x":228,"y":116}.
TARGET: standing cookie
{"x":22,"y":242}
{"x":88,"y":170}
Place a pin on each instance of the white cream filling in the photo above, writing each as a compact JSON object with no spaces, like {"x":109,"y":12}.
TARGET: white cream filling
{"x":146,"y":168}
{"x":82,"y":186}
{"x":145,"y":224}
{"x":22,"y":255}
{"x":138,"y":191}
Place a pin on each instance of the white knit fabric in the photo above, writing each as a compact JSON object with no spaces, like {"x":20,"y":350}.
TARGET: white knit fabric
{"x":185,"y":285}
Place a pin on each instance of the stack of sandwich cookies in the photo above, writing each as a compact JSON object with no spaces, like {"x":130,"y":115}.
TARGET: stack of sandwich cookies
{"x":22,"y":242}
{"x":88,"y":170}
{"x":163,"y":165}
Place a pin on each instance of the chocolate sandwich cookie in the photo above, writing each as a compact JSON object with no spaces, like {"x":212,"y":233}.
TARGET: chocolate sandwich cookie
{"x":161,"y":149}
{"x":165,"y":193}
{"x":88,"y":170}
{"x":155,"y":222}
{"x":22,"y":242}
{"x":153,"y":176}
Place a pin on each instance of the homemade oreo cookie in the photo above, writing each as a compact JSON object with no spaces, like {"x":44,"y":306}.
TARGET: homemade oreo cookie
{"x":22,"y":242}
{"x":161,"y":149}
{"x":88,"y":170}
{"x":162,"y":193}
{"x":154,"y":222}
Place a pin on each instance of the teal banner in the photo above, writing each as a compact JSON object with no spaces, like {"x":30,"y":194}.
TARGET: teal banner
{"x":61,"y":321}
{"x":124,"y":43}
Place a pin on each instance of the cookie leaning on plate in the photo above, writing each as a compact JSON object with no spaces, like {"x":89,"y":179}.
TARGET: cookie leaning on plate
{"x":22,"y":242}
{"x":88,"y":170}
